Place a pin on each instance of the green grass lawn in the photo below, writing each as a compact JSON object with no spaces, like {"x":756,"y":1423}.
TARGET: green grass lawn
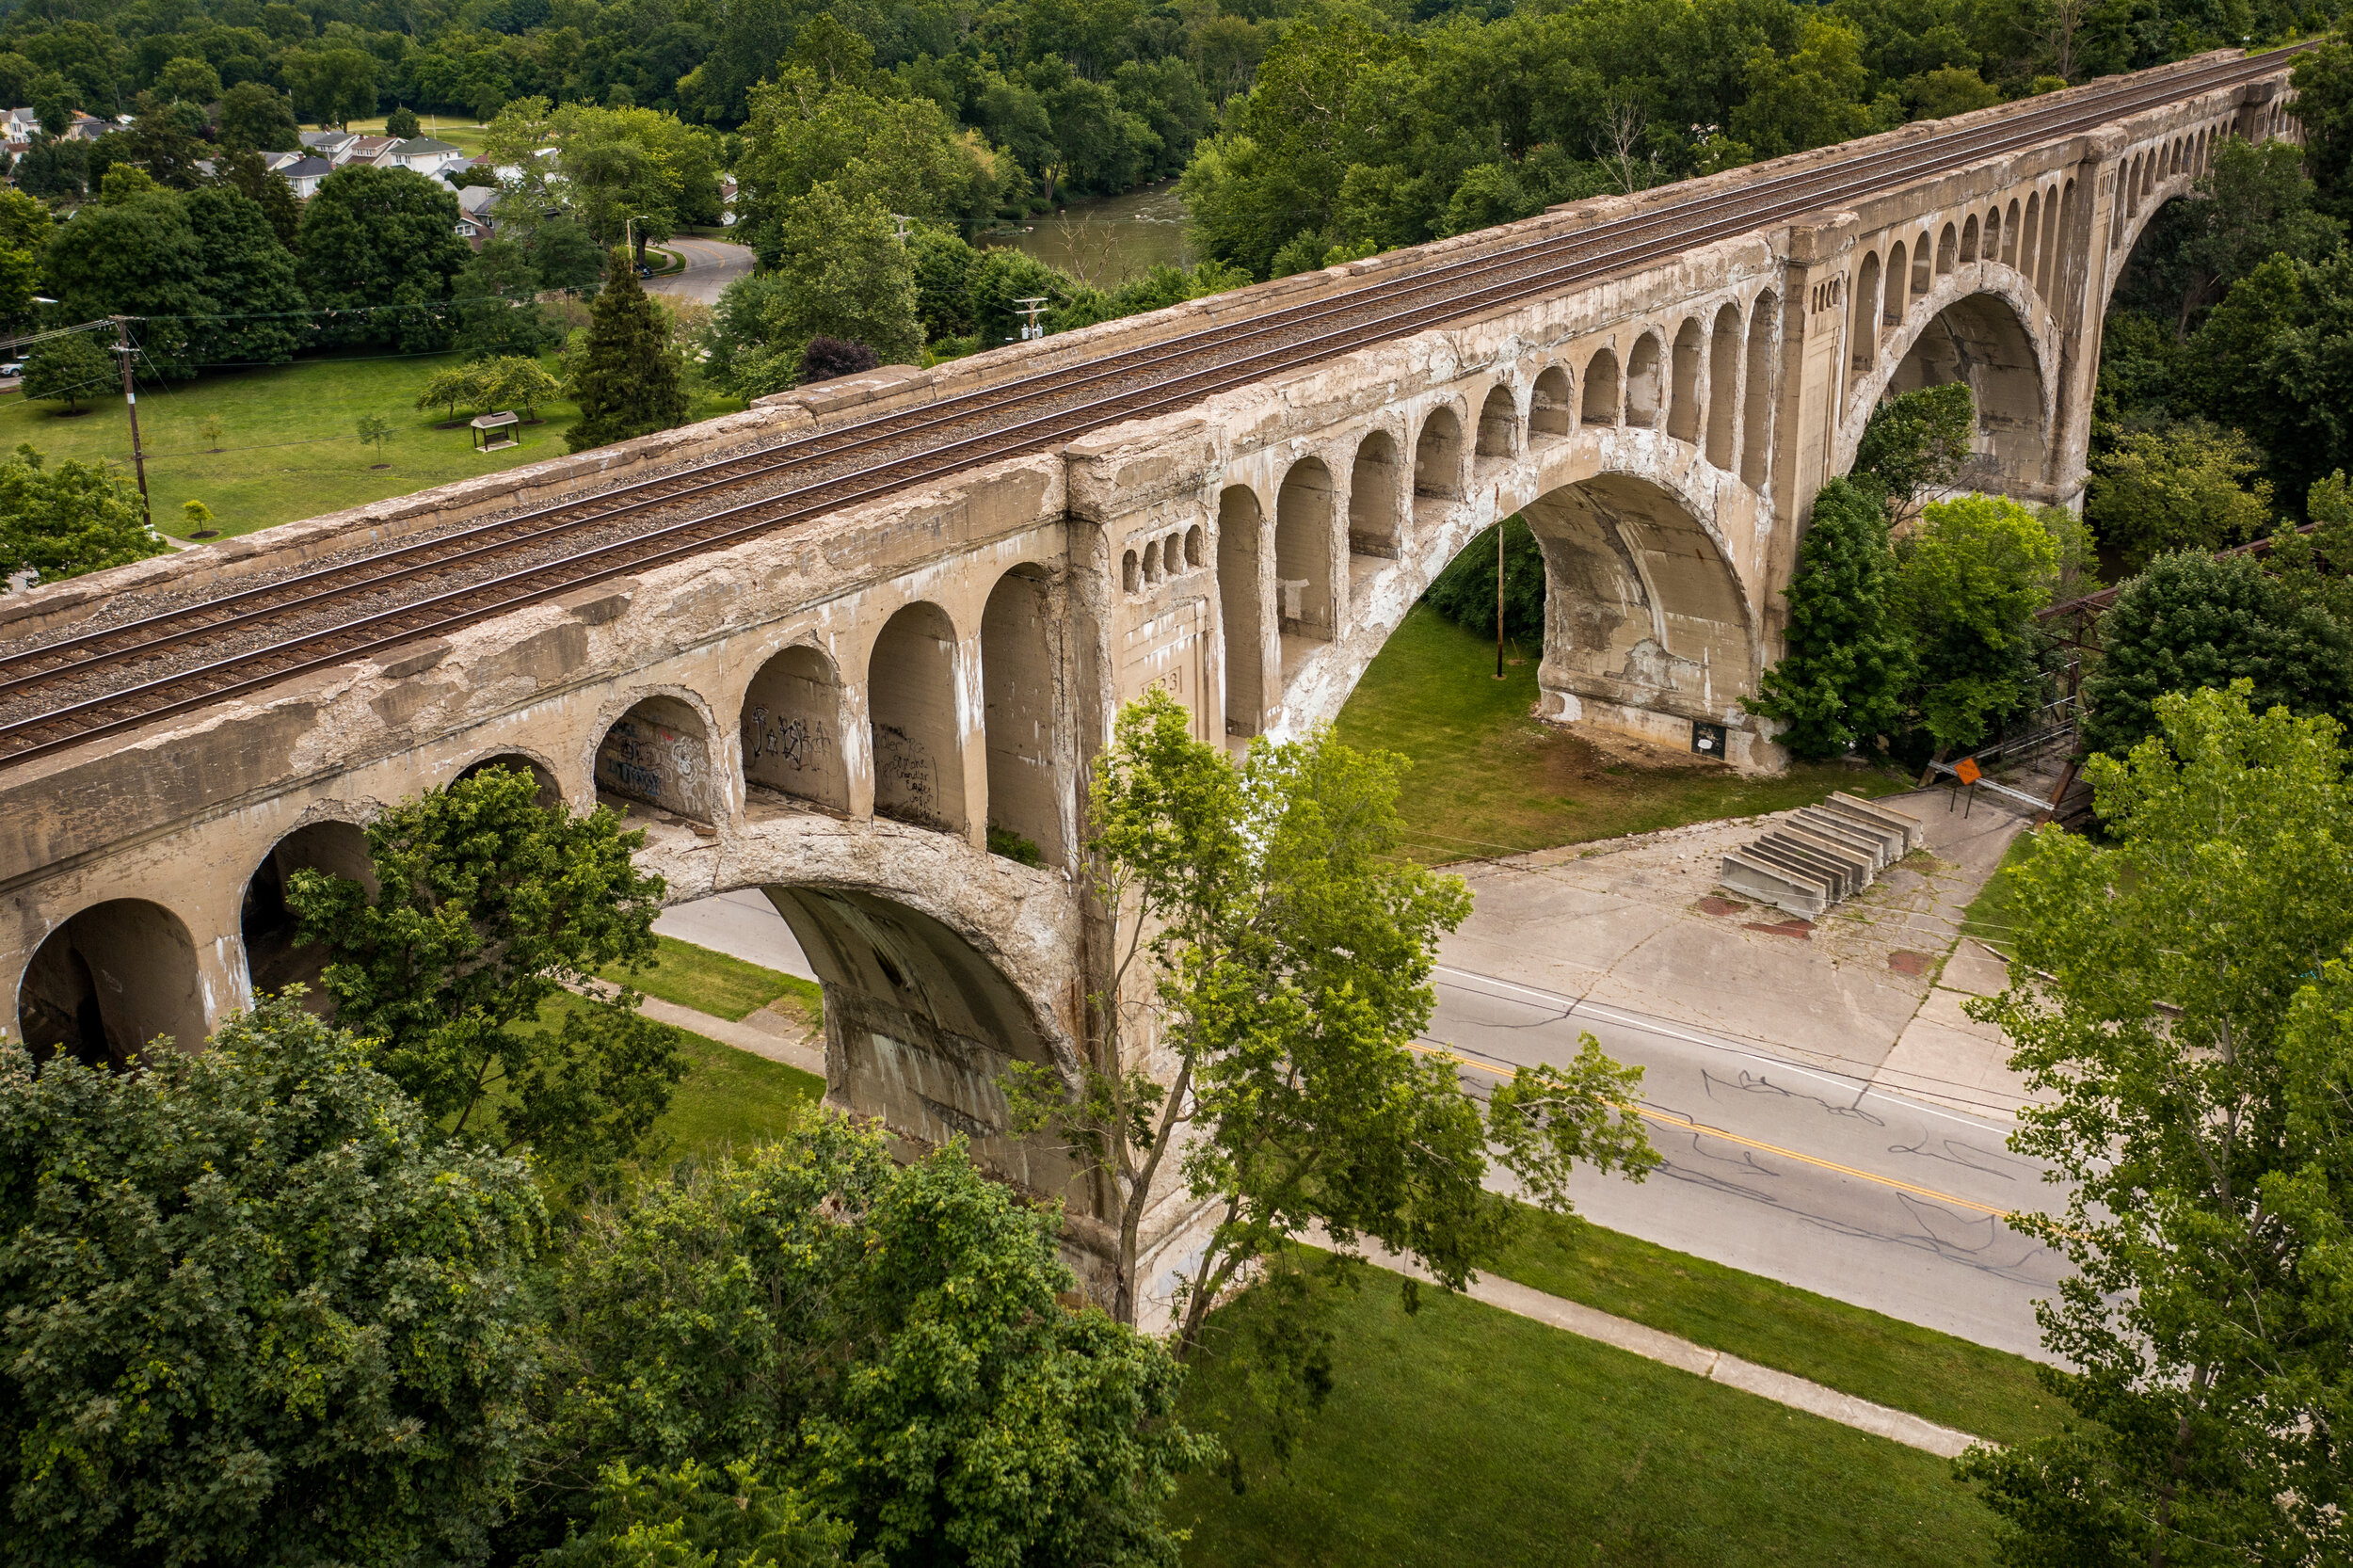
{"x":1461,"y":1434}
{"x":1989,"y":915}
{"x":719,"y":983}
{"x":1985,"y":1392}
{"x":451,"y":128}
{"x":288,"y":446}
{"x":1487,"y":777}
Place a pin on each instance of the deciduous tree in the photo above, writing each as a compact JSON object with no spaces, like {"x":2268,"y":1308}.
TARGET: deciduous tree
{"x":70,"y":368}
{"x":2189,"y":485}
{"x":254,"y":1308}
{"x":73,"y":518}
{"x":380,"y":251}
{"x":2182,"y":1010}
{"x":818,"y":1317}
{"x":256,"y":117}
{"x":488,"y":905}
{"x":1274,"y":953}
{"x":1917,"y":442}
{"x":1968,"y":584}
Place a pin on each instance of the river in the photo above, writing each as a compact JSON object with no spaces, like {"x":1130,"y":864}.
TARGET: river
{"x":1108,"y":239}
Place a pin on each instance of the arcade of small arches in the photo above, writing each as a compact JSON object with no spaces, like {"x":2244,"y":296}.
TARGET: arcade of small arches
{"x":806,"y":743}
{"x":1293,"y":557}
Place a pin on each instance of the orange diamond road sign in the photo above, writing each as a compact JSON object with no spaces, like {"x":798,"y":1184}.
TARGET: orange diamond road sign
{"x":1967,"y":770}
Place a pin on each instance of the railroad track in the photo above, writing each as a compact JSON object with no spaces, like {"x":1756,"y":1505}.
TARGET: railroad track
{"x":174,"y":662}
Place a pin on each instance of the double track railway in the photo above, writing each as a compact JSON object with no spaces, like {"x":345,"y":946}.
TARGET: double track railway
{"x":79,"y":688}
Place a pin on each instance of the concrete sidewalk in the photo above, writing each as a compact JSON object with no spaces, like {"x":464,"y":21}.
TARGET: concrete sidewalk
{"x":1896,"y":1425}
{"x":1641,"y":924}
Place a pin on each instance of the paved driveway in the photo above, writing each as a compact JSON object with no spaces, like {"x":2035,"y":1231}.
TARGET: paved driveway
{"x":711,"y":266}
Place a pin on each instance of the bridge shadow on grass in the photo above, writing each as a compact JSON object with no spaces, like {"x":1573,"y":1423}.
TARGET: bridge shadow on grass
{"x":1462,"y":1434}
{"x":1490,"y":778}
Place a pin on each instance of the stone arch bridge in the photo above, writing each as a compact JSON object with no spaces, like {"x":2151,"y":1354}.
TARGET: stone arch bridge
{"x":838,"y":711}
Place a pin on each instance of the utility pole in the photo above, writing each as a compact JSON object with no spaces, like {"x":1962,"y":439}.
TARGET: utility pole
{"x":1029,"y":309}
{"x":901,"y":220}
{"x":130,"y":402}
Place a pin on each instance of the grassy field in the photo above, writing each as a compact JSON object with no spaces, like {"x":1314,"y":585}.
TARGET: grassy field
{"x":1462,"y":1434}
{"x":1985,"y":1392}
{"x":287,"y":442}
{"x":1488,"y":779}
{"x":448,"y":128}
{"x":718,"y":983}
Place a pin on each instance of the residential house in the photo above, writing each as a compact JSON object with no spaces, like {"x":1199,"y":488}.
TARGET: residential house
{"x":21,"y":125}
{"x":304,"y":174}
{"x":426,"y":156}
{"x":475,"y":220}
{"x":329,"y":145}
{"x":86,"y":127}
{"x":373,"y":151}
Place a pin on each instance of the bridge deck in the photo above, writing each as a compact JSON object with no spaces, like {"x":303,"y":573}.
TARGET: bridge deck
{"x":62,"y":688}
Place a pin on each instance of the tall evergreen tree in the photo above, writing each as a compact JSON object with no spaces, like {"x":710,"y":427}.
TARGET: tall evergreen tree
{"x":1841,"y":683}
{"x":629,"y":382}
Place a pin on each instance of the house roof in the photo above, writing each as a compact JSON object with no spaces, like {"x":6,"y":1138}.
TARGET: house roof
{"x":370,"y":146}
{"x":327,"y":138}
{"x":423,"y":147}
{"x":476,"y":199}
{"x":310,"y":169}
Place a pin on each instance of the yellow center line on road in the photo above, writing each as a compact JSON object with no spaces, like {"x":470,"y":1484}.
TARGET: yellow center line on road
{"x":1685,"y":1125}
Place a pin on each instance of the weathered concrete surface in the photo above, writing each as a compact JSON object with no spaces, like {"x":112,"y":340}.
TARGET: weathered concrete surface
{"x":841,"y":712}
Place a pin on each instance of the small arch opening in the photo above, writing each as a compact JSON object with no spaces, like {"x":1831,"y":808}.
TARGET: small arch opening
{"x":1969,"y":240}
{"x":1193,"y":546}
{"x":1923,"y":272}
{"x":1897,"y":274}
{"x":1498,"y":424}
{"x":1152,"y":561}
{"x":1948,"y":249}
{"x":1438,"y":456}
{"x":2030,"y":242}
{"x":1724,"y":383}
{"x":1372,"y":484}
{"x":658,"y":754}
{"x":1601,"y":389}
{"x":1864,"y":331}
{"x":1757,"y":417}
{"x":1683,"y":397}
{"x":911,"y":693}
{"x":1242,"y":610}
{"x":2009,"y":235}
{"x":792,"y":731}
{"x":273,"y":957}
{"x":1643,"y":378}
{"x":1131,"y":572}
{"x":1018,"y":688}
{"x":1552,"y":408}
{"x":108,"y":983}
{"x":1303,"y":551}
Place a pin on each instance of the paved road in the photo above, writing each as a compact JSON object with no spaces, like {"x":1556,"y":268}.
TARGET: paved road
{"x":711,"y":266}
{"x":1806,"y":1176}
{"x":1809,"y":1177}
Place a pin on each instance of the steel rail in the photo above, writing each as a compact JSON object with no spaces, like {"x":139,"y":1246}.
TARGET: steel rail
{"x":51,"y":661}
{"x":38,"y":666}
{"x":1915,"y":160}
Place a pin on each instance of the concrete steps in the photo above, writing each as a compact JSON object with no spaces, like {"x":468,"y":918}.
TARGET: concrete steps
{"x":1822,"y":855}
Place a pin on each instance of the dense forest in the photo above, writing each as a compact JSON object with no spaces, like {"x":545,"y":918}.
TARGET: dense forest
{"x":1346,"y":123}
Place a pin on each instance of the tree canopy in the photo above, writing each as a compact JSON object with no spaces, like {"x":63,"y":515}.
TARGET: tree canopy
{"x":2179,"y":1007}
{"x":254,"y":1308}
{"x":65,"y":520}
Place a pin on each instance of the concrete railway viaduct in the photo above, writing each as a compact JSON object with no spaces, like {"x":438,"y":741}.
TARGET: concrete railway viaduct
{"x":836,"y":708}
